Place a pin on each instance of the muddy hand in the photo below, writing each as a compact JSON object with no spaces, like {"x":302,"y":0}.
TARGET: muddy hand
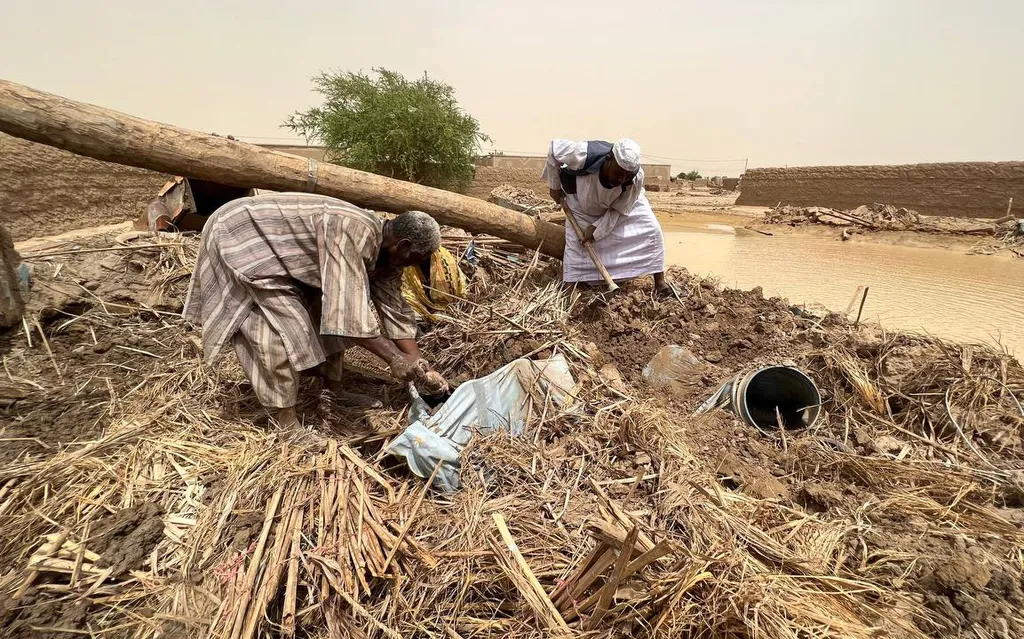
{"x":588,"y":234}
{"x":434,"y":383}
{"x":406,"y":368}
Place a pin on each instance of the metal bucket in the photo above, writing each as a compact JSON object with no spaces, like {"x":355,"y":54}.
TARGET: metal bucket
{"x":766,"y":396}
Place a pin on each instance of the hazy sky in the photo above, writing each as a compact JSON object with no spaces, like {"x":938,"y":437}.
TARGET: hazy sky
{"x":779,"y":82}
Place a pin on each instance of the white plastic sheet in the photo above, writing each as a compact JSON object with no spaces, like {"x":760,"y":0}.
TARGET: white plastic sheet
{"x":498,"y":401}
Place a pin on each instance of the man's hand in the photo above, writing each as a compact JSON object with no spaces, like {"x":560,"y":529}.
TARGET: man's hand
{"x":434,"y":383}
{"x":588,"y":234}
{"x":408,"y":368}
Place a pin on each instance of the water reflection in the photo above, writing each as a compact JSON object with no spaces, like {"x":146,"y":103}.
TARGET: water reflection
{"x":964,"y":297}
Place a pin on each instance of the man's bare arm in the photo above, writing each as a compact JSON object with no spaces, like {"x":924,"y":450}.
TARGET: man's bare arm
{"x":404,"y":366}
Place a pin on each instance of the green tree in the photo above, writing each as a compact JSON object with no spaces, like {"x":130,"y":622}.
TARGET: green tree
{"x":692,"y":175}
{"x":387,"y":124}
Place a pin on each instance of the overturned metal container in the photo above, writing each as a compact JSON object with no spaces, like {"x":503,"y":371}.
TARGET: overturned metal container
{"x":769,"y":397}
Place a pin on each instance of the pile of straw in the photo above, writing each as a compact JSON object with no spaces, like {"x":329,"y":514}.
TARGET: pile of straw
{"x":604,"y":521}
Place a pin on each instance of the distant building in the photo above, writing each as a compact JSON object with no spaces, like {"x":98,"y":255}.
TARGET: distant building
{"x":652,"y":172}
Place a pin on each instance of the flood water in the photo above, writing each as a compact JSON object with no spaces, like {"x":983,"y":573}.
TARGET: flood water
{"x":963,"y":297}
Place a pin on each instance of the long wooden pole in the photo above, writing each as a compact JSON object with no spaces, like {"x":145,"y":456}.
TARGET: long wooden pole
{"x":589,"y":248}
{"x":113,"y":136}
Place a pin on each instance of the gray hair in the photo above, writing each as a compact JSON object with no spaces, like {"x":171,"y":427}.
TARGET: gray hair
{"x":422,"y":231}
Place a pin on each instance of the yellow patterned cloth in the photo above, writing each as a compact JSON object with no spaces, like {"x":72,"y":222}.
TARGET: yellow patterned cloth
{"x":446,"y":285}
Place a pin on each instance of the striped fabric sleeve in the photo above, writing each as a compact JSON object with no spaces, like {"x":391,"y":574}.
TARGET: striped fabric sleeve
{"x":397,"y":317}
{"x":349,"y":244}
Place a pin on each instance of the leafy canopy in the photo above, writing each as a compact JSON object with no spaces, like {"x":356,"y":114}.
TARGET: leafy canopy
{"x":386,"y":124}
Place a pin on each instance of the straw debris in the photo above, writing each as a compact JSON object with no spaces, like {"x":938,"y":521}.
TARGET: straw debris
{"x":142,"y":493}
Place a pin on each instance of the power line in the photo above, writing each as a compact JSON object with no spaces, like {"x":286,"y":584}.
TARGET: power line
{"x":267,"y":137}
{"x":664,"y":157}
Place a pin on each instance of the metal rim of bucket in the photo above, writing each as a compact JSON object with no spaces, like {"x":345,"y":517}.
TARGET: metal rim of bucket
{"x":742,"y":382}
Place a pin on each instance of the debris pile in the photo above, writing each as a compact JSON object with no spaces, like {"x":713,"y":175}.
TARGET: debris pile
{"x":142,"y":493}
{"x":879,"y":217}
{"x":526,"y":201}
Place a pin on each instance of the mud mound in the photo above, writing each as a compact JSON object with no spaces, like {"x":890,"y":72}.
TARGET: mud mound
{"x":721,"y":326}
{"x":45,"y":191}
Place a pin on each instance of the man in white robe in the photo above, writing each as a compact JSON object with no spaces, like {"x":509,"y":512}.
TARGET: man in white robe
{"x":602,"y":185}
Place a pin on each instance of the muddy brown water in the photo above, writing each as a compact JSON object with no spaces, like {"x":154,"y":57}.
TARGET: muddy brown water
{"x":948,"y":294}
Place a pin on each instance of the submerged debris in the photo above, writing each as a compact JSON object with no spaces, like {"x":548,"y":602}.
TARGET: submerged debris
{"x":881,"y":217}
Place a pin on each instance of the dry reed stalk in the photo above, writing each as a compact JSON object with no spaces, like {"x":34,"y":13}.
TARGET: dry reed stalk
{"x":527,"y":583}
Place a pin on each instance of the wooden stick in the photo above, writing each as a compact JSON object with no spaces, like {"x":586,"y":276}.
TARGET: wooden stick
{"x":292,"y":585}
{"x":274,"y":566}
{"x":354,"y":457}
{"x":559,"y":593}
{"x":850,"y":217}
{"x":510,"y":543}
{"x":759,"y":231}
{"x":412,"y":517}
{"x":109,"y":135}
{"x":608,"y":592}
{"x":138,"y":247}
{"x":34,"y":571}
{"x":255,"y":564}
{"x":612,"y":286}
{"x":638,"y":564}
{"x":593,"y":572}
{"x":861,"y":309}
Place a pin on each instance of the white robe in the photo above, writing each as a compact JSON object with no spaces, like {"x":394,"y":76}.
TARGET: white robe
{"x":627,"y":236}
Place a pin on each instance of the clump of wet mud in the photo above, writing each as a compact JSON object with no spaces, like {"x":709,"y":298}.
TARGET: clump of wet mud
{"x":126,"y":538}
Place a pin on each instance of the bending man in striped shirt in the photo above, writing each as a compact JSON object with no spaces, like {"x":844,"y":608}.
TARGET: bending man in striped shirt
{"x":292,"y":279}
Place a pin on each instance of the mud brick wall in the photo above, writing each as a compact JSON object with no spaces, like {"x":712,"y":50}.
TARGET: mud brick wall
{"x":960,"y":189}
{"x":45,"y":191}
{"x":489,"y":177}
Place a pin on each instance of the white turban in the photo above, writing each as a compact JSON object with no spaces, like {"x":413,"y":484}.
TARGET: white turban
{"x":627,"y":154}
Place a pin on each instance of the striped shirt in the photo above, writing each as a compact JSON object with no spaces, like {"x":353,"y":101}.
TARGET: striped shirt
{"x":264,"y":249}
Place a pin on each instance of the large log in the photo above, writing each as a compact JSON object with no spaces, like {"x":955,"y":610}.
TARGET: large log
{"x":113,"y":136}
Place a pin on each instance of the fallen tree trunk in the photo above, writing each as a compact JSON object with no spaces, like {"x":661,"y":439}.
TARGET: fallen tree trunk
{"x":113,"y":136}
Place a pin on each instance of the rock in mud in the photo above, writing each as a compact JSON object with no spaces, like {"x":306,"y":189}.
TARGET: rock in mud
{"x":673,"y":368}
{"x":887,"y":444}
